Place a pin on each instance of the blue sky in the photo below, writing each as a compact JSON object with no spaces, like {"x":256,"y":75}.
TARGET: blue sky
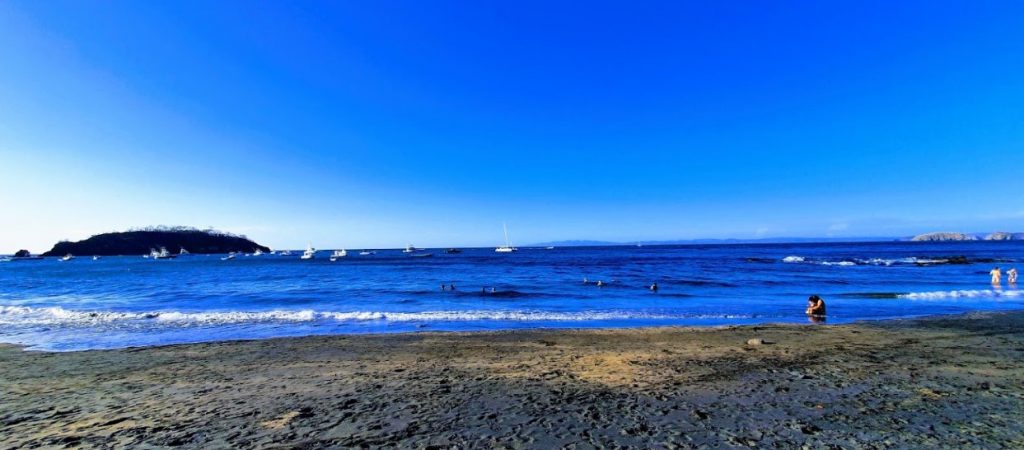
{"x":377,"y":124}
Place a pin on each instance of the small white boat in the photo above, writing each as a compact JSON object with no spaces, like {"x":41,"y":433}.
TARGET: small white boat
{"x":309,"y":253}
{"x":410,"y":249}
{"x":367,"y":253}
{"x":285,"y":253}
{"x":182,"y":252}
{"x":96,"y":258}
{"x":162,"y":254}
{"x":231,"y":255}
{"x":338,"y":254}
{"x":549,"y":248}
{"x":67,"y":257}
{"x":258,"y":252}
{"x":507,"y":248}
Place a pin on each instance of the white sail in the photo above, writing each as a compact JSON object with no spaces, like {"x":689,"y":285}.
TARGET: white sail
{"x":507,"y":248}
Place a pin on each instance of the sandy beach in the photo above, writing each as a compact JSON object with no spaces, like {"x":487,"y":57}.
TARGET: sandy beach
{"x":955,"y":381}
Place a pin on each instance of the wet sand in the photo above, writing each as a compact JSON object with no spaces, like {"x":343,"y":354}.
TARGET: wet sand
{"x":955,"y":382}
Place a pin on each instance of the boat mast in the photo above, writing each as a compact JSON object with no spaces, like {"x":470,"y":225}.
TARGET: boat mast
{"x":507,"y":243}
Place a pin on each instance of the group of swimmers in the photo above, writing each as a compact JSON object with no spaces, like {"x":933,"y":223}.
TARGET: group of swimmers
{"x":997,"y":276}
{"x":600,"y":283}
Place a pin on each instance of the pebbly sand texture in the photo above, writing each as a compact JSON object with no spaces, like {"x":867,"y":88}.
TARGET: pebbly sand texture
{"x":953,"y":382}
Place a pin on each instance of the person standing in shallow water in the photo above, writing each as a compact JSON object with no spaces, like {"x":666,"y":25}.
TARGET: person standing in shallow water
{"x":997,"y":275}
{"x":815,"y":306}
{"x":1011,"y":275}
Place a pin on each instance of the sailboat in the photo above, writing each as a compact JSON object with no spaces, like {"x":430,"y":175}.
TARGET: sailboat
{"x":338,"y":254}
{"x":162,"y":254}
{"x":309,"y":253}
{"x":182,"y":252}
{"x":507,"y":248}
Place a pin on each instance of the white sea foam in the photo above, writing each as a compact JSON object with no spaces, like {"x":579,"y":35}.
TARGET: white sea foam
{"x":975,"y":293}
{"x":870,"y":261}
{"x":24,"y":315}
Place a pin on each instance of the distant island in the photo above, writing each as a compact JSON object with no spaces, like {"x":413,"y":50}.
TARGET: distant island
{"x":927,"y":237}
{"x":174,"y":239}
{"x":948,"y":236}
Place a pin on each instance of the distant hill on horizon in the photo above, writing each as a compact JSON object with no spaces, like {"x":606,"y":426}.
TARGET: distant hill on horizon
{"x":775,"y":240}
{"x":926,"y":237}
{"x":140,"y":242}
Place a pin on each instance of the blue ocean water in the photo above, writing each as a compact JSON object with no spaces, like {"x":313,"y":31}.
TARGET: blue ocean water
{"x":131,"y":301}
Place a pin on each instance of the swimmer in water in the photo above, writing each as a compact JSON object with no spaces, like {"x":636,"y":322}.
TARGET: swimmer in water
{"x":600,"y":283}
{"x":451,"y":287}
{"x":586,"y":281}
{"x":815,"y":306}
{"x":997,"y":275}
{"x":654,"y":287}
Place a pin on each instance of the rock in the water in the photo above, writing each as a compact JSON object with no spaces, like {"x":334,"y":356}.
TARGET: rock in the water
{"x":944,"y":237}
{"x":1004,"y":236}
{"x":22,"y":254}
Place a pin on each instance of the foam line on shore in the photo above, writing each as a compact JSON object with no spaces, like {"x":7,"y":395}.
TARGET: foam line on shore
{"x":972,"y":293}
{"x":24,"y":315}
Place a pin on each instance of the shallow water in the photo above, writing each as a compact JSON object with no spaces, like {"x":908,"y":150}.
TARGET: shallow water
{"x":129,"y":301}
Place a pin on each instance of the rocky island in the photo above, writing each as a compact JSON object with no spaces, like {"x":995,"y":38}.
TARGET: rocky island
{"x":174,"y":239}
{"x":943,"y":236}
{"x":948,"y":236}
{"x":1004,"y":236}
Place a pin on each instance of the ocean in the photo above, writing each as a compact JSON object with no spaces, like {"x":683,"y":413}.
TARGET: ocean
{"x":126,"y":301}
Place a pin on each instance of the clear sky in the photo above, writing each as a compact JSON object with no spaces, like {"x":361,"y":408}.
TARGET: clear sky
{"x":378,"y":124}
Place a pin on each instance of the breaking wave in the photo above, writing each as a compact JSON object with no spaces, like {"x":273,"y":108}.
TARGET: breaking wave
{"x":915,"y":261}
{"x":24,"y":315}
{"x":974,"y":293}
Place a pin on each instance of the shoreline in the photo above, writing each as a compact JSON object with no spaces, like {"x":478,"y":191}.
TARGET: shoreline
{"x":940,"y":380}
{"x":470,"y":333}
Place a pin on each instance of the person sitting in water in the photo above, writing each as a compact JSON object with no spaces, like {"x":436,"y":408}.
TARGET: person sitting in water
{"x":600,"y":283}
{"x":815,"y":306}
{"x":1011,"y":275}
{"x":997,"y":275}
{"x":654,"y":287}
